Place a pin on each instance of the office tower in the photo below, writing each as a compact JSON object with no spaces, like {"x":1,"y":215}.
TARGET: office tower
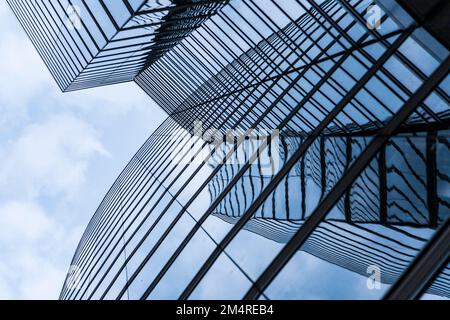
{"x":305,"y":155}
{"x":94,"y":43}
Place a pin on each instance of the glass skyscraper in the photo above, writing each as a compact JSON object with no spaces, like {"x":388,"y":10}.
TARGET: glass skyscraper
{"x":92,"y":43}
{"x":306,"y":153}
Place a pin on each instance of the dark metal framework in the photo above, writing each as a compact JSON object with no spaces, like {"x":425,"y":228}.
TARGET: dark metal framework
{"x":338,"y":239}
{"x":363,"y":121}
{"x":100,"y":42}
{"x":230,"y":74}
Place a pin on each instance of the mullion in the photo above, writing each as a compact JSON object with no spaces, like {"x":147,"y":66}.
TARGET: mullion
{"x":343,"y":34}
{"x":125,"y":190}
{"x":384,"y":71}
{"x":132,"y":173}
{"x":161,"y":238}
{"x":154,"y":248}
{"x":352,"y":173}
{"x":35,"y":37}
{"x":229,"y":186}
{"x":147,"y":181}
{"x":292,"y":161}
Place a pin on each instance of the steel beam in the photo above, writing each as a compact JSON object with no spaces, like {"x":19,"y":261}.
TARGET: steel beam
{"x":353,"y":172}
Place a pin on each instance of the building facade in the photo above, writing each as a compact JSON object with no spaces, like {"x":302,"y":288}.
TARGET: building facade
{"x":305,"y":155}
{"x":95,"y":43}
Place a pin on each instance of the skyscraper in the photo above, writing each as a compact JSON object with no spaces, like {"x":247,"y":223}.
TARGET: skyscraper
{"x":93,"y":43}
{"x":300,"y":133}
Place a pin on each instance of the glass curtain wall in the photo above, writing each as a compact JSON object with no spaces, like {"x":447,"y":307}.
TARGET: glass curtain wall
{"x":358,"y":119}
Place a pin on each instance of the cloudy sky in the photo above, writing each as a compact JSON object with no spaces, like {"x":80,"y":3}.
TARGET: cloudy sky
{"x":59,"y":154}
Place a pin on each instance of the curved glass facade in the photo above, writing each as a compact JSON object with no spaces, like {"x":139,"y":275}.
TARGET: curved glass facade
{"x":305,"y":156}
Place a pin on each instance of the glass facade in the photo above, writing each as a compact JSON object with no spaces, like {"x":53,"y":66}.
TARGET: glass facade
{"x":100,"y":42}
{"x":305,"y":156}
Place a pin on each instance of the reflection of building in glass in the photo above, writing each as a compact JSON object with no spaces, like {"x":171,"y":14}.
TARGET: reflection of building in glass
{"x":363,"y":115}
{"x":358,"y":232}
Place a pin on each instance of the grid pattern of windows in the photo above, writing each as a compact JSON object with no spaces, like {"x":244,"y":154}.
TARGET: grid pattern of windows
{"x":355,"y":234}
{"x":396,"y":179}
{"x":362,"y":183}
{"x":358,"y":118}
{"x":99,"y":42}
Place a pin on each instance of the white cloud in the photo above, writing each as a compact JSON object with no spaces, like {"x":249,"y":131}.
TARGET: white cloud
{"x":110,"y":101}
{"x":32,"y":243}
{"x":50,"y":157}
{"x":24,"y":221}
{"x":59,"y":153}
{"x":23,"y":74}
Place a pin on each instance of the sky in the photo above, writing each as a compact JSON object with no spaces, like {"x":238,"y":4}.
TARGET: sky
{"x":59,"y":154}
